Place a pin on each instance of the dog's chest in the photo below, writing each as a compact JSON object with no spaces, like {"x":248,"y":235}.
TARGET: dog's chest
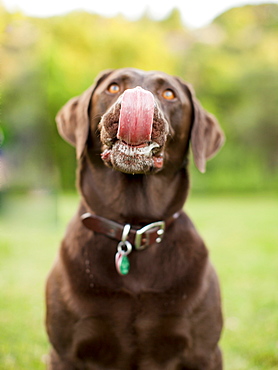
{"x":148,"y":329}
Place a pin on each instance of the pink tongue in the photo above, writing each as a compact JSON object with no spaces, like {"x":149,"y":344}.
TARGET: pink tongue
{"x":136,"y":116}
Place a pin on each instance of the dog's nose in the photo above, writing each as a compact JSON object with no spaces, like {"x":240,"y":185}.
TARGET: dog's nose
{"x":136,"y":116}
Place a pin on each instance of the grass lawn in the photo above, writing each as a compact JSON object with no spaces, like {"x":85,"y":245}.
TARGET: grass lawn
{"x":241,"y":233}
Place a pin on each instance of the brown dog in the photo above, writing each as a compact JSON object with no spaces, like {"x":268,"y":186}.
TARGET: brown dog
{"x":133,"y":287}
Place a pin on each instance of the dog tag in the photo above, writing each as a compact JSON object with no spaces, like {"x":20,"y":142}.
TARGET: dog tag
{"x":122,"y":263}
{"x":121,"y":260}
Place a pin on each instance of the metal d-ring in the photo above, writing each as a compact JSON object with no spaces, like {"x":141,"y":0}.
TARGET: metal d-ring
{"x":124,"y":248}
{"x":124,"y":242}
{"x":125,"y":233}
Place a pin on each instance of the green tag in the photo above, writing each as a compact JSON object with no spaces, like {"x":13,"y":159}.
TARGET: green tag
{"x":124,"y":265}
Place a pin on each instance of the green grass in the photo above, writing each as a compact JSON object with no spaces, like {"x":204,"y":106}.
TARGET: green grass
{"x":240,"y":231}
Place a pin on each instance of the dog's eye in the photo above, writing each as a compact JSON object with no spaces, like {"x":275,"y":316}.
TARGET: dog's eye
{"x":168,"y":94}
{"x":113,"y":88}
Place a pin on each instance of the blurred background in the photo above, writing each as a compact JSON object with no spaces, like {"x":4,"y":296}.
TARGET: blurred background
{"x":229,"y":53}
{"x":231,"y":62}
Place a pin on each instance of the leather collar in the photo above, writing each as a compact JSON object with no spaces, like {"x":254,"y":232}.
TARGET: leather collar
{"x":140,"y":238}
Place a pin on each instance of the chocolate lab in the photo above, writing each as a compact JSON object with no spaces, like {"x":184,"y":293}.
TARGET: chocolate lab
{"x":133,"y":287}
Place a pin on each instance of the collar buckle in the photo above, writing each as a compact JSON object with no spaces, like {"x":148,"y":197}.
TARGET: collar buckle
{"x":139,"y":234}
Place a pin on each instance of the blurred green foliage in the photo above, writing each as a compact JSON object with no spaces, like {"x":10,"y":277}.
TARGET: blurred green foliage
{"x":232,"y":63}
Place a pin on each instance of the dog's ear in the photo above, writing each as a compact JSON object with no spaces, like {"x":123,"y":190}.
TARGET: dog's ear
{"x":73,"y":118}
{"x":206,"y":134}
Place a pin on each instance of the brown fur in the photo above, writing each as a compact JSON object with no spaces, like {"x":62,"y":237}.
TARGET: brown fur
{"x":166,"y":313}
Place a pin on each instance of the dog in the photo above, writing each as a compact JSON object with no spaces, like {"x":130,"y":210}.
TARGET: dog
{"x":132,"y":287}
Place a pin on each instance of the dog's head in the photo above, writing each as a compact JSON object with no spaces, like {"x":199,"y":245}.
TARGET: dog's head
{"x":141,"y":122}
